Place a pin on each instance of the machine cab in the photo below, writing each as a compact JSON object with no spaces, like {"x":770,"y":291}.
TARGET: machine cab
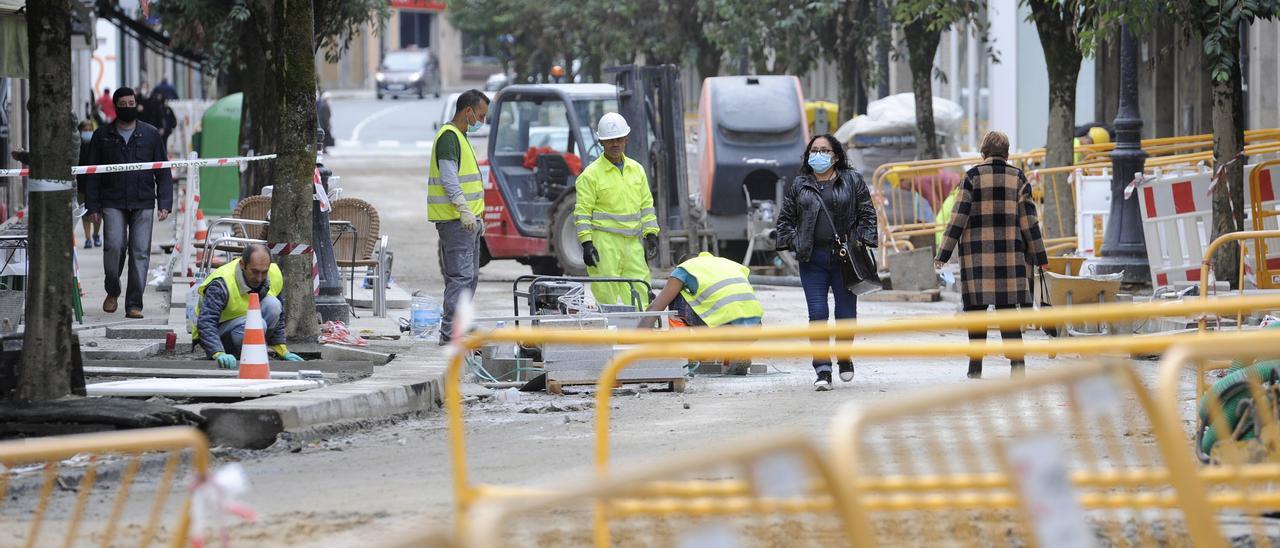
{"x":541,"y":136}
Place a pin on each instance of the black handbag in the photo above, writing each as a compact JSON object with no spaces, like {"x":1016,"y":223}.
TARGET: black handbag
{"x":857,"y":264}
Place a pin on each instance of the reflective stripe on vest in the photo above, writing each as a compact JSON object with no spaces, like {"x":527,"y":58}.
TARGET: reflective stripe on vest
{"x":439,"y":208}
{"x":724,"y":294}
{"x":614,"y":201}
{"x":237,"y":301}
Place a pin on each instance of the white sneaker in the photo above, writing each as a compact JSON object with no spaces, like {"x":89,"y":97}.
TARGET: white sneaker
{"x":823,"y":383}
{"x":846,"y":372}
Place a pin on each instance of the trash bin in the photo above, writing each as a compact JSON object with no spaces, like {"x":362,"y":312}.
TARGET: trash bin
{"x":220,"y":138}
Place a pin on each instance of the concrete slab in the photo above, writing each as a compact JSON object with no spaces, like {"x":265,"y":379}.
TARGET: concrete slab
{"x":397,"y":298}
{"x":199,"y":388}
{"x":155,"y":372}
{"x":324,"y":366}
{"x":119,"y":349}
{"x":410,"y":384}
{"x":344,"y":353}
{"x":896,"y":296}
{"x":913,"y":270}
{"x":133,"y":331}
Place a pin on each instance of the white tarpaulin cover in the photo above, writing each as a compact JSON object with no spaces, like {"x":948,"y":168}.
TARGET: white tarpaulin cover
{"x":896,"y":114}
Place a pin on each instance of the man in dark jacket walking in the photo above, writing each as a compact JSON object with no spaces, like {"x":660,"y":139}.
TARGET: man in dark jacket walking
{"x":127,"y":201}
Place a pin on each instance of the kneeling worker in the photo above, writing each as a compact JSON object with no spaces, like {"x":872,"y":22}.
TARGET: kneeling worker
{"x":224,"y":303}
{"x":715,"y":289}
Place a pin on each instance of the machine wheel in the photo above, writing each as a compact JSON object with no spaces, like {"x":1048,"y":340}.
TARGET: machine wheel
{"x":563,"y":237}
{"x":545,"y":266}
{"x":422,"y":91}
{"x":437,"y":92}
{"x":379,"y":96}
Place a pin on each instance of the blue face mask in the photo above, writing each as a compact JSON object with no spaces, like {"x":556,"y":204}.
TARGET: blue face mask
{"x":820,"y":162}
{"x":86,"y":135}
{"x":475,"y":126}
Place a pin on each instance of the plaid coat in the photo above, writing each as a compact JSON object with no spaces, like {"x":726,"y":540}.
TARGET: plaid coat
{"x":994,"y":222}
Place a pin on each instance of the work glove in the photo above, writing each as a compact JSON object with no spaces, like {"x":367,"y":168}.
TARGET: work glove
{"x":225,"y":361}
{"x":589,"y":253}
{"x":291,"y":357}
{"x":468,"y":219}
{"x":650,"y":246}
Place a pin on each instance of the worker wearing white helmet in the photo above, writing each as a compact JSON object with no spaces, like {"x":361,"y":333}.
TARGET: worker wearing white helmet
{"x":614,"y":215}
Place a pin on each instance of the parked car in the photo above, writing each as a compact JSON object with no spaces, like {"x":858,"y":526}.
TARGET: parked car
{"x":409,"y":72}
{"x":451,"y":105}
{"x":496,"y":81}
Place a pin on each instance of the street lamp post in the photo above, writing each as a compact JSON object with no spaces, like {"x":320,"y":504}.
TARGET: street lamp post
{"x":1124,"y":248}
{"x":329,"y":300}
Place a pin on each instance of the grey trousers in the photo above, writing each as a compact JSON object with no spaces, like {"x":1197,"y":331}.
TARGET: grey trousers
{"x":460,"y":266}
{"x":127,"y":231}
{"x":232,"y":331}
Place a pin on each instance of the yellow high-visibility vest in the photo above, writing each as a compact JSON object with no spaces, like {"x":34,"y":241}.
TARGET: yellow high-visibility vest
{"x":438,"y":206}
{"x":723,"y":294}
{"x":237,"y":301}
{"x":613,"y":200}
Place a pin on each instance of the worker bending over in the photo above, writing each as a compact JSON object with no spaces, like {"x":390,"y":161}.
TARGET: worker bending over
{"x":224,"y":302}
{"x":709,"y":290}
{"x":614,"y":211}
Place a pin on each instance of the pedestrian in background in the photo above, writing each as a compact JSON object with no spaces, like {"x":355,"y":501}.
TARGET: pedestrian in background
{"x":127,"y":201}
{"x":826,"y":202}
{"x":455,"y":202}
{"x":94,"y":238}
{"x":106,"y":107}
{"x":994,"y":223}
{"x":614,"y":216}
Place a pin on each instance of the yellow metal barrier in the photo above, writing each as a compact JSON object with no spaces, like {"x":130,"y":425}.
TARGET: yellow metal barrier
{"x":1267,"y":275}
{"x":1207,"y":264}
{"x":465,"y":493}
{"x":962,"y":465}
{"x":25,"y":460}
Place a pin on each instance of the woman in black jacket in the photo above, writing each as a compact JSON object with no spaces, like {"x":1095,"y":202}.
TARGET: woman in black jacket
{"x":826,"y":183}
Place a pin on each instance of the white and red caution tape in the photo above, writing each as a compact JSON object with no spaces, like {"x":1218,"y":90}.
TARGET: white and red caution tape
{"x":140,"y":166}
{"x":300,"y":249}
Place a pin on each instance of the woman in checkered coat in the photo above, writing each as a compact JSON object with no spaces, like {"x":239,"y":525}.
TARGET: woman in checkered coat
{"x":994,"y":223}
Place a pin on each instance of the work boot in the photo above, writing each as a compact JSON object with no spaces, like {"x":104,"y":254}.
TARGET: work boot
{"x":1017,"y":369}
{"x":823,"y":383}
{"x":135,"y":314}
{"x":846,"y":371}
{"x":975,"y":369}
{"x":109,"y":304}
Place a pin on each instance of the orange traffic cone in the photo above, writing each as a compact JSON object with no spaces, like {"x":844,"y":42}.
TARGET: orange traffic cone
{"x":253,"y":350}
{"x":202,"y":233}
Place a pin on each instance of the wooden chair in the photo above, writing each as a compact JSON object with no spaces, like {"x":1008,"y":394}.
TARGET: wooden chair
{"x":366,"y":248}
{"x":248,"y":222}
{"x":254,"y":208}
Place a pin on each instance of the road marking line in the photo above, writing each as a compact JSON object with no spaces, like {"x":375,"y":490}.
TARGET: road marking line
{"x":388,"y":143}
{"x":422,"y":144}
{"x":355,"y":133}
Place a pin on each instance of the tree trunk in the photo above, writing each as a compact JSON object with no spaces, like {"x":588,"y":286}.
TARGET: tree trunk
{"x":295,"y":129}
{"x":1062,"y":57}
{"x":1228,"y":143}
{"x":708,"y":59}
{"x":46,"y":350}
{"x":922,"y":46}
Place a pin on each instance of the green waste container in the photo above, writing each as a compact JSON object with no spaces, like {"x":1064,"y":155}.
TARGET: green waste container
{"x":220,"y":138}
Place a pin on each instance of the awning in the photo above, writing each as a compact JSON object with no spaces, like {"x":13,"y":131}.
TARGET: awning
{"x":13,"y":46}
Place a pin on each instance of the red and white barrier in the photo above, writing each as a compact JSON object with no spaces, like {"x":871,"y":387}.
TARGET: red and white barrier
{"x":1177,"y":222}
{"x":1093,"y":200}
{"x":141,"y":166}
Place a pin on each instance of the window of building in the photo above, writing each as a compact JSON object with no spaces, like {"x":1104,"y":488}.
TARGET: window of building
{"x":415,"y":29}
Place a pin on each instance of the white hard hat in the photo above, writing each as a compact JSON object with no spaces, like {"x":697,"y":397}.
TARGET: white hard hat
{"x":612,"y":126}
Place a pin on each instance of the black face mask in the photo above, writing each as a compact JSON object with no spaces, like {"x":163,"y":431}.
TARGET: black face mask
{"x":127,"y":114}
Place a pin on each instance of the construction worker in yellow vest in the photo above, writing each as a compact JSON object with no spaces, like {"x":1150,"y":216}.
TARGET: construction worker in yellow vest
{"x":1095,"y":135}
{"x":709,"y":290}
{"x":614,"y":215}
{"x":224,"y":302}
{"x":455,"y":202}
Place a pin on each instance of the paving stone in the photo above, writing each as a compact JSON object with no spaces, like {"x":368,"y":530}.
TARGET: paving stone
{"x":120,"y":349}
{"x":913,"y":270}
{"x":344,"y":353}
{"x":134,"y":331}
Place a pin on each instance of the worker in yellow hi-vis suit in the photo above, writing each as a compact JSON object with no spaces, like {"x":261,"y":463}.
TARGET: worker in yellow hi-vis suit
{"x":616,"y":223}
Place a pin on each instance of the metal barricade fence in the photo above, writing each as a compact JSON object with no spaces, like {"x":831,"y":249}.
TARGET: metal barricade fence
{"x":1077,"y":456}
{"x":62,"y":488}
{"x":466,"y":494}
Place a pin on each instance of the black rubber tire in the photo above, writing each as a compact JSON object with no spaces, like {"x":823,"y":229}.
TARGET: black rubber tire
{"x":563,"y":237}
{"x":422,"y":91}
{"x":485,"y":256}
{"x":545,"y":266}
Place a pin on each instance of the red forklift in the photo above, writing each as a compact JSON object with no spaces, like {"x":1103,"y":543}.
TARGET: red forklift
{"x":542,"y":135}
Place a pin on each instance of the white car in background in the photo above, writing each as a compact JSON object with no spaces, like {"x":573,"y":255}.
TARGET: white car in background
{"x":451,"y":103}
